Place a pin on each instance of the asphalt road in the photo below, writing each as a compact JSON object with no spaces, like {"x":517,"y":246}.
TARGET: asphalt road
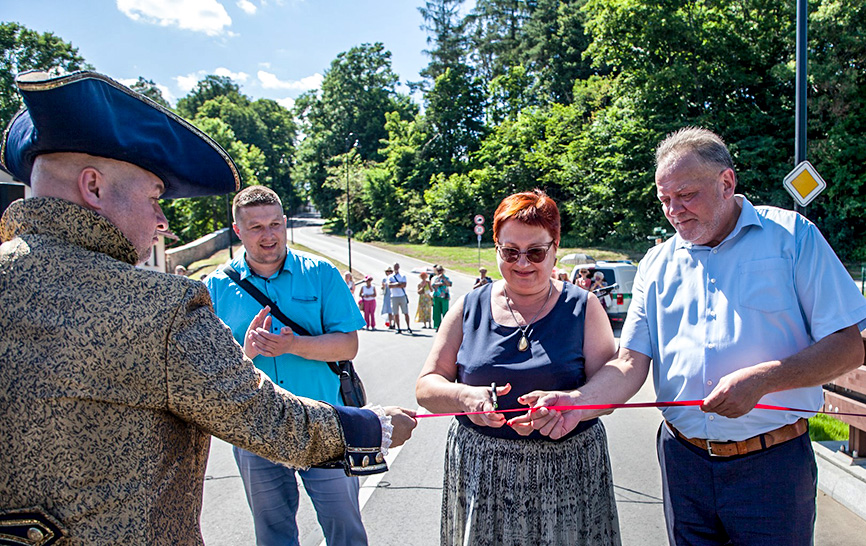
{"x":402,"y":507}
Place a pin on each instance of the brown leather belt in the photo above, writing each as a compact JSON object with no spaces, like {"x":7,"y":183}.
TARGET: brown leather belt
{"x":750,"y":445}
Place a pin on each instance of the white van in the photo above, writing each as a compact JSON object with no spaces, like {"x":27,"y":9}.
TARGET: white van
{"x":622,"y":274}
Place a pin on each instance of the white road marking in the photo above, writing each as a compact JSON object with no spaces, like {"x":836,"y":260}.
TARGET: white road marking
{"x":372,"y":482}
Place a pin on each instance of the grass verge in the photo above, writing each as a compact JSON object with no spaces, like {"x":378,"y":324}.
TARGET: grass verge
{"x":201,"y":268}
{"x":467,"y":259}
{"x":823,"y":427}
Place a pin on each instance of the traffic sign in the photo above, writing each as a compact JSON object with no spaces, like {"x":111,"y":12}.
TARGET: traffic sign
{"x":479,"y":230}
{"x":478,"y":219}
{"x":804,"y":183}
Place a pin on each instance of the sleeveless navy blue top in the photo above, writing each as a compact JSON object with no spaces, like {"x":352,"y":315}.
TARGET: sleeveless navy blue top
{"x":554,"y":360}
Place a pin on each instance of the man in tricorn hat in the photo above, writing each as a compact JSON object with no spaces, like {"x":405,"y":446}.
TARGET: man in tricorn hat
{"x":113,"y":378}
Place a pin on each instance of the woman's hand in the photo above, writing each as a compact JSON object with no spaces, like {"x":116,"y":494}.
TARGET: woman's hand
{"x":480,"y":399}
{"x":552,"y":423}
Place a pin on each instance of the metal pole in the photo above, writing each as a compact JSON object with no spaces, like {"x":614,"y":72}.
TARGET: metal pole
{"x":800,"y":94}
{"x":348,"y":231}
{"x":479,"y":252}
{"x":231,"y":231}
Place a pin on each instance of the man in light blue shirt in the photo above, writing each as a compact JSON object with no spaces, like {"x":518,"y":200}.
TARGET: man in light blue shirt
{"x":744,"y":305}
{"x":312,"y":293}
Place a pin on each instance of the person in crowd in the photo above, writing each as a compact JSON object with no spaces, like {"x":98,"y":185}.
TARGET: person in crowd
{"x":744,"y":305}
{"x":583,"y":279}
{"x":500,"y":343}
{"x":386,"y":299}
{"x":482,"y":278}
{"x":367,"y":293}
{"x":599,"y":283}
{"x":424,"y":312}
{"x":562,"y":275}
{"x":350,"y":281}
{"x":180,"y":270}
{"x":309,"y":291}
{"x":113,"y":377}
{"x":441,"y":285}
{"x":399,"y":298}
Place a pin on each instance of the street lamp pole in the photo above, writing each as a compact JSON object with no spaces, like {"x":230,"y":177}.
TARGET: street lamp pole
{"x":350,"y":144}
{"x":348,"y":229}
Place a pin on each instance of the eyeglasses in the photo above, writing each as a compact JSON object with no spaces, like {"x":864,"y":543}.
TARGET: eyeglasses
{"x":536,"y":254}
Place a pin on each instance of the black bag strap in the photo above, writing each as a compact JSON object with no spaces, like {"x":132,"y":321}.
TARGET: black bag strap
{"x":266,"y":301}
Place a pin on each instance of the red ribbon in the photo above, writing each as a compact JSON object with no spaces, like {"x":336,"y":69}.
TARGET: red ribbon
{"x":631,"y":405}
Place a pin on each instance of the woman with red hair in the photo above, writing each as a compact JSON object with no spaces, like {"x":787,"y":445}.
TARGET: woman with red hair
{"x":504,"y":482}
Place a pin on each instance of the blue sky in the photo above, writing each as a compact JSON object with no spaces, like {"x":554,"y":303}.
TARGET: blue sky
{"x":274,"y":49}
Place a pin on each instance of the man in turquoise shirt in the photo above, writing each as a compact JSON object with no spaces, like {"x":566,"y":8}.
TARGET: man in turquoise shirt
{"x":744,"y":305}
{"x":312,"y":293}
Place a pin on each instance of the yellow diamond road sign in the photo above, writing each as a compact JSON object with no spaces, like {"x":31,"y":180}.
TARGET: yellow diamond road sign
{"x":804,"y":183}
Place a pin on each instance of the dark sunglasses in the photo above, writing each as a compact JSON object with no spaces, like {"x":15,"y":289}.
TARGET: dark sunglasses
{"x":536,"y":254}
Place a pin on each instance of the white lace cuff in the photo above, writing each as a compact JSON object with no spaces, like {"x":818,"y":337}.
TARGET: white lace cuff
{"x":387,"y":427}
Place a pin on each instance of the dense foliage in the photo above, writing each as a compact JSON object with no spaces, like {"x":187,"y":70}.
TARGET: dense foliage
{"x":572,"y":96}
{"x":568,"y":95}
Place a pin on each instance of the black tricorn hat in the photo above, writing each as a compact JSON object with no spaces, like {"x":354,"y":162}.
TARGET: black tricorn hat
{"x":90,"y":113}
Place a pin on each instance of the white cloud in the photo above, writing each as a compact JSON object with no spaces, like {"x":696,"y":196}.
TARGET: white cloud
{"x":270,"y":81}
{"x":208,"y":16}
{"x":186,"y":83}
{"x":248,"y":7}
{"x":288,"y":103}
{"x":236,"y":76}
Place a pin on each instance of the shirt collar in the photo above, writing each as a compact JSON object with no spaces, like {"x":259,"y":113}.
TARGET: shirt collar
{"x":242,"y":267}
{"x":748,"y":217}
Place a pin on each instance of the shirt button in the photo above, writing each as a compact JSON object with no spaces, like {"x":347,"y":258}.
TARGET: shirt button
{"x":713,"y":281}
{"x":710,"y":345}
{"x":710,"y":382}
{"x":715,"y":251}
{"x":712,"y":417}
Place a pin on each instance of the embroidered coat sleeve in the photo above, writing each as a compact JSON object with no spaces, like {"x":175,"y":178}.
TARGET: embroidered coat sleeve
{"x":212,"y":384}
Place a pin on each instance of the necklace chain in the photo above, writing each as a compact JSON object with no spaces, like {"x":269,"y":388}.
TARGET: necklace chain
{"x":523,"y":344}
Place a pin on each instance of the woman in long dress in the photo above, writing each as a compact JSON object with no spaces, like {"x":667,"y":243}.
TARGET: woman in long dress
{"x":505,"y":483}
{"x":386,"y":299}
{"x":424,"y":313}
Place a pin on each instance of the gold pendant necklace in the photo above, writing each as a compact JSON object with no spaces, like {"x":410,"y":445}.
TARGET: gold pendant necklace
{"x":523,"y":344}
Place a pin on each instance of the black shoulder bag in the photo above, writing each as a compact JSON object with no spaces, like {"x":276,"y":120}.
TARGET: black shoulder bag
{"x":351,"y":387}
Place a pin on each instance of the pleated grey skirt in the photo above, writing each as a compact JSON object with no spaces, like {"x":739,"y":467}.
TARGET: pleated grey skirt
{"x":528,"y":492}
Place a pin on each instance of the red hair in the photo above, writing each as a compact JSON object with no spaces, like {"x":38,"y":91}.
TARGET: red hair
{"x":532,"y":208}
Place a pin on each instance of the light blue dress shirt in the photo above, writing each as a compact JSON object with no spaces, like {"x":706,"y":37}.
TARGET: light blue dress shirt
{"x":310,"y":291}
{"x":770,"y":289}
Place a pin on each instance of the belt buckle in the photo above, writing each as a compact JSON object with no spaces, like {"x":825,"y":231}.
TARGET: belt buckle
{"x":710,"y":449}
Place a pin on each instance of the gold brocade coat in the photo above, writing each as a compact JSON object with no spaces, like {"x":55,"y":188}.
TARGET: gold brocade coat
{"x":113,"y":378}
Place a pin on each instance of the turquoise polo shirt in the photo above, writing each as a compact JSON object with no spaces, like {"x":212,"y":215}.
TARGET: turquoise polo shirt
{"x":770,"y":289}
{"x":311,"y":292}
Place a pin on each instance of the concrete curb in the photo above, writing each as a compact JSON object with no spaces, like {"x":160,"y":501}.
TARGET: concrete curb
{"x":840,"y":477}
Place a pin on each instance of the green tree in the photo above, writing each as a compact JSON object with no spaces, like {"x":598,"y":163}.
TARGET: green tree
{"x":837,"y":117}
{"x":455,"y":112}
{"x":24,"y":49}
{"x":445,"y":35}
{"x":210,"y":87}
{"x":357,"y":91}
{"x":497,"y":33}
{"x":150,"y":90}
{"x":554,"y":47}
{"x":279,"y":149}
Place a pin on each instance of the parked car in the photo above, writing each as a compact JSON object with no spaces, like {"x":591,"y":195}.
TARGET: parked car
{"x":619,"y":275}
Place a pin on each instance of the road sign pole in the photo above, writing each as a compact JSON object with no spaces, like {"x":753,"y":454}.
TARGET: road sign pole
{"x":800,"y":94}
{"x":479,"y":252}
